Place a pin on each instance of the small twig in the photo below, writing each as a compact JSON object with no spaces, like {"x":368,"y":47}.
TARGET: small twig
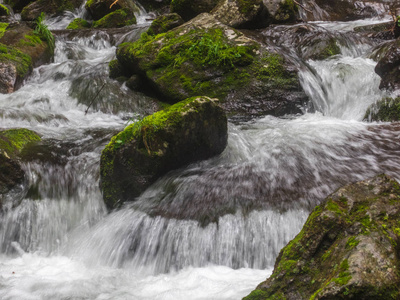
{"x":115,"y":2}
{"x":94,"y":98}
{"x":301,"y":5}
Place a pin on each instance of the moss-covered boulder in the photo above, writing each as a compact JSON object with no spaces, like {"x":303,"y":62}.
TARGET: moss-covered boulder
{"x":165,"y":23}
{"x":388,"y":67}
{"x":50,"y":8}
{"x":188,"y":131}
{"x":78,"y":23}
{"x":282,"y":11}
{"x":116,"y":19}
{"x":348,"y":248}
{"x":206,"y":57}
{"x":21,"y":49}
{"x":12,"y":177}
{"x":98,"y":9}
{"x":241,"y":14}
{"x":387,"y":110}
{"x":4,"y":11}
{"x":189,"y":9}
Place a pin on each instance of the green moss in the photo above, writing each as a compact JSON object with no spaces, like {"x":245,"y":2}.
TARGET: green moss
{"x":257,"y":295}
{"x":3,"y":28}
{"x":352,"y":242}
{"x":246,"y":6}
{"x":331,"y":49}
{"x":164,"y":23}
{"x":118,"y":18}
{"x":387,"y":110}
{"x":344,"y":275}
{"x":20,"y":60}
{"x":4,"y":11}
{"x":78,"y":23}
{"x":13,"y":140}
{"x":31,"y":40}
{"x":286,"y":12}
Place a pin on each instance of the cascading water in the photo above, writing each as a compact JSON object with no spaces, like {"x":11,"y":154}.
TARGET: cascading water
{"x":211,"y":230}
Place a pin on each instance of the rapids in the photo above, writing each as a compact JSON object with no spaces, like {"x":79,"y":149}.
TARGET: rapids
{"x":61,"y":243}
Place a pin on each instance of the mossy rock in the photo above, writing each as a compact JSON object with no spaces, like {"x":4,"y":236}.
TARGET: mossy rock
{"x":188,"y":131}
{"x":282,"y":11}
{"x":346,"y":250}
{"x":50,"y":8}
{"x":241,"y":13}
{"x":17,"y":5}
{"x":206,"y":57}
{"x":165,"y":23}
{"x":12,"y":142}
{"x":78,"y":23}
{"x":4,"y":11}
{"x":98,"y":9}
{"x":116,"y":19}
{"x":386,"y":110}
{"x":319,"y":46}
{"x":189,"y":9}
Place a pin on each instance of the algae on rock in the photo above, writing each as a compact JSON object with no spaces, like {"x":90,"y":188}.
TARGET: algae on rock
{"x":387,"y":110}
{"x":348,"y":248}
{"x":188,"y":131}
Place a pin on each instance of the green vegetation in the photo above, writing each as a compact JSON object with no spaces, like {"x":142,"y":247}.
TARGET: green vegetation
{"x":3,"y":28}
{"x":20,"y":60}
{"x":352,"y":242}
{"x":118,"y":18}
{"x":78,"y":23}
{"x":164,"y":23}
{"x":13,"y":140}
{"x":42,"y":30}
{"x":386,"y":110}
{"x":4,"y":11}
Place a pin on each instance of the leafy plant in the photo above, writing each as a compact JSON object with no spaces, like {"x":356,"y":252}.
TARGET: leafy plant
{"x":42,"y":30}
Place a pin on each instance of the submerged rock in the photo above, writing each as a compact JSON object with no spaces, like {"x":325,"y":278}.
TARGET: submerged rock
{"x":12,"y":177}
{"x":387,"y":110}
{"x":206,"y":57}
{"x":188,"y":131}
{"x":348,"y":248}
{"x":388,"y":67}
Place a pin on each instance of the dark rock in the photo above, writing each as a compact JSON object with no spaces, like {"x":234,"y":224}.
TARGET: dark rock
{"x":348,"y":248}
{"x":50,"y":8}
{"x":12,"y":177}
{"x":387,"y":110}
{"x":188,"y":131}
{"x":241,"y":14}
{"x":100,"y":8}
{"x":249,"y":78}
{"x":344,"y":10}
{"x":189,"y":9}
{"x":155,"y":5}
{"x":282,"y":11}
{"x":388,"y":67}
{"x":165,"y":23}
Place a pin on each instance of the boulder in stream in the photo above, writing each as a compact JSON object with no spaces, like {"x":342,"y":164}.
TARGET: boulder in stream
{"x":51,"y":8}
{"x":348,"y":248}
{"x":100,"y":8}
{"x":12,"y":177}
{"x":188,"y":131}
{"x":388,"y":67}
{"x":206,"y":57}
{"x":387,"y":110}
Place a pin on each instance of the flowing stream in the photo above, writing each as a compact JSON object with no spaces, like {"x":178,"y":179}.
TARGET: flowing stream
{"x":61,"y":243}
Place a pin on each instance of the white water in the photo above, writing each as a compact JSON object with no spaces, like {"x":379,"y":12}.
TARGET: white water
{"x":60,"y":243}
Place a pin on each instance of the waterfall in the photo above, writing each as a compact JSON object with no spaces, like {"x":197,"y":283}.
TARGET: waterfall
{"x":211,"y":230}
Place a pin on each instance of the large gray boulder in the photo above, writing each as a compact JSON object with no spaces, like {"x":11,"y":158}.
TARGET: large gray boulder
{"x":348,"y":248}
{"x":188,"y":131}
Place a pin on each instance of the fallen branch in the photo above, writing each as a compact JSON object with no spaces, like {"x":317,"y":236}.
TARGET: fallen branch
{"x":297,"y":3}
{"x":94,"y":98}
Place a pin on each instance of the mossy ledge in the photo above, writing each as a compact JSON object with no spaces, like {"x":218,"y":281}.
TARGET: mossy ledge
{"x":205,"y":57}
{"x":13,"y":140}
{"x":386,"y":110}
{"x":191,"y":130}
{"x":346,"y":250}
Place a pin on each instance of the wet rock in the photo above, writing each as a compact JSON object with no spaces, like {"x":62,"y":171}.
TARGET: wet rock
{"x":388,"y":67}
{"x":116,"y":19}
{"x":241,"y":14}
{"x":282,"y":11}
{"x":17,"y":5}
{"x":189,"y":9}
{"x":206,"y":57}
{"x":155,"y":5}
{"x":21,"y":49}
{"x":346,"y":250}
{"x":189,"y":131}
{"x":78,"y":23}
{"x":12,"y":177}
{"x":387,"y":110}
{"x":165,"y":23}
{"x":100,"y":8}
{"x":50,"y":8}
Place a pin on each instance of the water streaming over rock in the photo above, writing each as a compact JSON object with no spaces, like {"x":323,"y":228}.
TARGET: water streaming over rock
{"x":211,"y":230}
